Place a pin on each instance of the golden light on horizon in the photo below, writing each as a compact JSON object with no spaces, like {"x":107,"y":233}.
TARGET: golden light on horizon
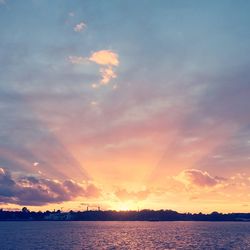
{"x":125,"y":206}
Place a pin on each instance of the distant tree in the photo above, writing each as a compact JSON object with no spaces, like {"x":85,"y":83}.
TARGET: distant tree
{"x":25,"y":210}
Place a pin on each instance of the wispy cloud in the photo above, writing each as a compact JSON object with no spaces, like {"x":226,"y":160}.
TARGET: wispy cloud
{"x":80,"y":27}
{"x":76,"y":59}
{"x":107,"y":74}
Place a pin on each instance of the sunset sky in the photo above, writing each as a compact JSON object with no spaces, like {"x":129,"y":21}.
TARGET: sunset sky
{"x":125,"y":104}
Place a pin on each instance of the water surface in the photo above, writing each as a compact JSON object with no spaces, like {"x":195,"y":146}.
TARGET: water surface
{"x":124,"y":235}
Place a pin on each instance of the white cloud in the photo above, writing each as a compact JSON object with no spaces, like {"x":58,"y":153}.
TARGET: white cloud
{"x":95,"y":86}
{"x":35,"y":164}
{"x":80,"y":27}
{"x":94,"y":103}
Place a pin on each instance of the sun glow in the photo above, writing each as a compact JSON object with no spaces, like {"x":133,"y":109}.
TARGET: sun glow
{"x":126,"y":206}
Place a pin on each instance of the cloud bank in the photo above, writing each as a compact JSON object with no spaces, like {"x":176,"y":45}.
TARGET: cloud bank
{"x":31,"y":190}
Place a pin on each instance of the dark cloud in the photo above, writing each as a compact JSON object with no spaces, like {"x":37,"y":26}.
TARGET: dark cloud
{"x":31,"y":190}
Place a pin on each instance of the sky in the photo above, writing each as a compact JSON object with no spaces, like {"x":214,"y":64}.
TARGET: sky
{"x":125,"y":105}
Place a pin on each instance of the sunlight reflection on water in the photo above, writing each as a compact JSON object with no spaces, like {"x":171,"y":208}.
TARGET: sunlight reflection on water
{"x":124,"y":235}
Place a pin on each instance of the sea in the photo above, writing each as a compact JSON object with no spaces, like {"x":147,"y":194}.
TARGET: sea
{"x":124,"y":235}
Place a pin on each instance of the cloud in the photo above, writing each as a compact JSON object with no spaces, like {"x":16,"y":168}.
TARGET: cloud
{"x":125,"y":195}
{"x":105,"y":57}
{"x":80,"y":27}
{"x":76,"y":59}
{"x":108,"y":60}
{"x":31,"y":190}
{"x":196,"y":177}
{"x":35,"y":164}
{"x":92,"y":191}
{"x":2,"y":2}
{"x":107,"y":74}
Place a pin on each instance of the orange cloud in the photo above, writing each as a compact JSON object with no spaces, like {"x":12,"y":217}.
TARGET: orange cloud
{"x":105,"y":57}
{"x":108,"y":59}
{"x":107,"y":74}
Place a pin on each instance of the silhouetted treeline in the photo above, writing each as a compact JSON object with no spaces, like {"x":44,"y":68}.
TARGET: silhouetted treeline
{"x":143,"y":215}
